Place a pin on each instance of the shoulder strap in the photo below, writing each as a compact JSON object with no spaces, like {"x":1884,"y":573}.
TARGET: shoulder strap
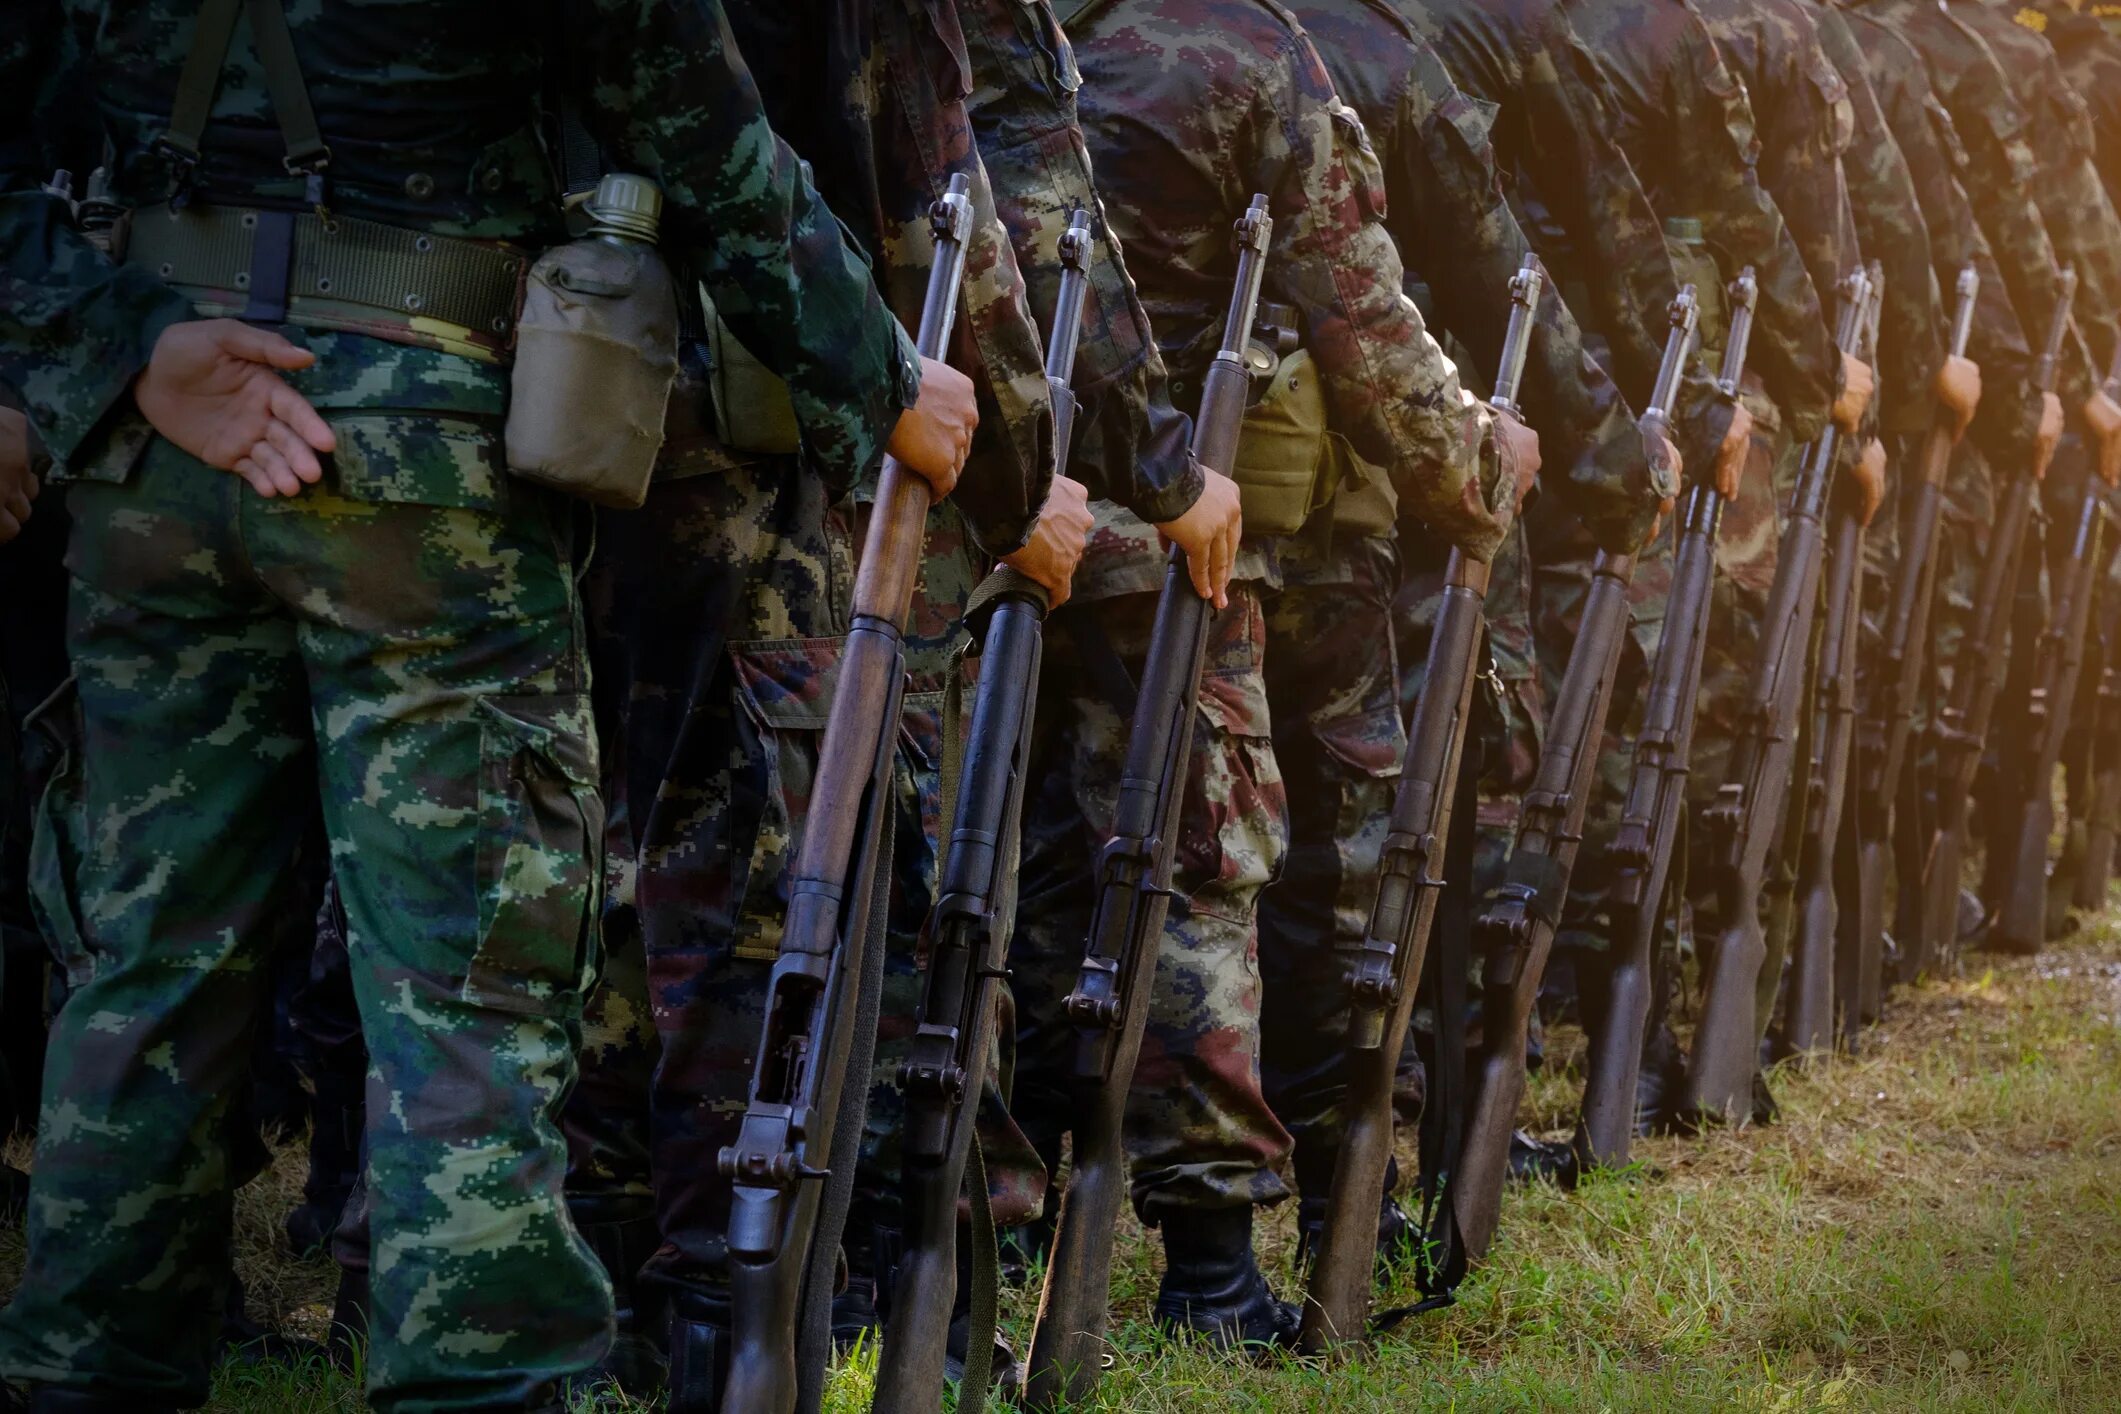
{"x":307,"y":153}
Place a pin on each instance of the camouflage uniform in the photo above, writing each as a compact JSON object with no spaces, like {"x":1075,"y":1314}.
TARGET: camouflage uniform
{"x":417,"y":607}
{"x":1176,"y":104}
{"x":1447,"y":216}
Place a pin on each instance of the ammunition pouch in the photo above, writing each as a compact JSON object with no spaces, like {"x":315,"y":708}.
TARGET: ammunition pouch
{"x":336,"y":272}
{"x":1284,"y":471}
{"x":1694,"y":263}
{"x":1364,"y":503}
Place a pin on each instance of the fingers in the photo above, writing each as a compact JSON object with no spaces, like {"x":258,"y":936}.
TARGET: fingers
{"x":262,"y":346}
{"x":291,"y":408}
{"x":1225,"y":564}
{"x":301,"y":461}
{"x":268,"y":468}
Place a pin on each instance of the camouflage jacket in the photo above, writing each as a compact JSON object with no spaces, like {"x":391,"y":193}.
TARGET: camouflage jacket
{"x":1692,"y":136}
{"x":2090,"y":51}
{"x":433,"y":116}
{"x":2001,"y":168}
{"x":1938,"y":162}
{"x":1191,"y":107}
{"x":2080,"y":217}
{"x":1130,"y":444}
{"x":1913,"y":332}
{"x":1458,"y":237}
{"x":1573,"y":189}
{"x":873,"y":96}
{"x":1805,"y":122}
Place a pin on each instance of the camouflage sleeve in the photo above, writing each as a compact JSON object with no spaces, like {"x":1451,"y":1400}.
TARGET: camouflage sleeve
{"x":2080,"y":215}
{"x":1130,"y":445}
{"x":1889,"y":223}
{"x":1466,"y":234}
{"x":1793,"y":346}
{"x":1389,"y":388}
{"x":668,"y":95}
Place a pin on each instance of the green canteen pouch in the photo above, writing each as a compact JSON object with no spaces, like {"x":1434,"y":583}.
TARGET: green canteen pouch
{"x":753,"y":411}
{"x":596,"y":354}
{"x":1283,"y":470}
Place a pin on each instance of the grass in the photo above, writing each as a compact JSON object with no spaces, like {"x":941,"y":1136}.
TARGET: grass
{"x":1935,"y":1224}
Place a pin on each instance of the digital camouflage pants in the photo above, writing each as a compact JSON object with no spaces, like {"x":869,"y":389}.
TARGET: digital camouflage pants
{"x":400,"y":650}
{"x":1200,"y":1134}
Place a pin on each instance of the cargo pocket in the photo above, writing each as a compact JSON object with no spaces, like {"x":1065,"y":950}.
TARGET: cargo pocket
{"x":541,"y":825}
{"x":53,"y":777}
{"x":1233,"y":831}
{"x":2006,"y":125}
{"x":1366,"y":171}
{"x":784,"y":687}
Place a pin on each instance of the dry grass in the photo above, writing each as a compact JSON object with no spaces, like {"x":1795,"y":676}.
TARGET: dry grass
{"x":1935,"y":1224}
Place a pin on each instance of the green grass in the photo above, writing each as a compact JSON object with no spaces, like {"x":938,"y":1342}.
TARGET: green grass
{"x":1935,"y":1224}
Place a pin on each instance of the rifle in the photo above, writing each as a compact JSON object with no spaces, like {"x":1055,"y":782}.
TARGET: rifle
{"x":1808,"y":1028}
{"x":1641,"y":851}
{"x":1977,"y":678}
{"x":1890,"y":716}
{"x":1743,"y":824}
{"x":1110,"y":1002}
{"x":2021,"y":922}
{"x":1518,"y":930}
{"x":809,"y":1080}
{"x":968,"y":931}
{"x":1387,"y":964}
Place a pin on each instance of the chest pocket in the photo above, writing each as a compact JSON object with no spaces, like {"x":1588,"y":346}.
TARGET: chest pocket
{"x":1736,"y":108}
{"x":2006,"y":126}
{"x":1366,"y":171}
{"x":1053,"y":46}
{"x":1834,"y":93}
{"x":950,"y":68}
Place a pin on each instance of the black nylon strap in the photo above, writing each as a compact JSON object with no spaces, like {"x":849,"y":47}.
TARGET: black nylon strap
{"x":271,"y":261}
{"x":306,"y":150}
{"x":201,"y":79}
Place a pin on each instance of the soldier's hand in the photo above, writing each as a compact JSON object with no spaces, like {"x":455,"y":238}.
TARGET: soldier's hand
{"x":1208,"y":532}
{"x":1731,"y":456}
{"x":18,"y":484}
{"x":1662,"y":451}
{"x":1958,"y":389}
{"x":1056,"y":544}
{"x":2103,"y":416}
{"x":2049,"y":436}
{"x":1857,"y":385}
{"x":211,"y":387}
{"x":934,"y":436}
{"x":1869,"y":472}
{"x":1519,"y":449}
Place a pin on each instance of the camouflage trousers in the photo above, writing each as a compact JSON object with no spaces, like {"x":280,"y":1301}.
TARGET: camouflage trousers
{"x":1333,"y":698}
{"x":1200,"y":1133}
{"x":400,"y":651}
{"x":717,"y":610}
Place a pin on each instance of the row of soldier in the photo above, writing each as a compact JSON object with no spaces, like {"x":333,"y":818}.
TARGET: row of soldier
{"x":692,"y":879}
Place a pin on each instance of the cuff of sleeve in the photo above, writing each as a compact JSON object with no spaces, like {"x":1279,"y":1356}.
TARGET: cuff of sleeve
{"x":1157,"y":504}
{"x":94,"y":423}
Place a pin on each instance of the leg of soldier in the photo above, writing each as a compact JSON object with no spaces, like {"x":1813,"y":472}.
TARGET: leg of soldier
{"x":1202,"y":1142}
{"x":1333,"y":696}
{"x":326,"y":1018}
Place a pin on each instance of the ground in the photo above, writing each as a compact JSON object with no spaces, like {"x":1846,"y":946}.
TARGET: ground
{"x":1935,"y":1224}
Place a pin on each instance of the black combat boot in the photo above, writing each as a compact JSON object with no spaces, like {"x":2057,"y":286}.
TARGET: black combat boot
{"x":1533,"y":1160}
{"x":636,"y":1363}
{"x":698,"y":1344}
{"x":336,"y":1121}
{"x":1397,"y":1235}
{"x":1212,"y":1283}
{"x":349,"y":1320}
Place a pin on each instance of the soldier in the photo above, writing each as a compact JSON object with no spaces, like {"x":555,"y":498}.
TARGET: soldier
{"x":369,"y":616}
{"x":1176,"y":102}
{"x":1448,"y":219}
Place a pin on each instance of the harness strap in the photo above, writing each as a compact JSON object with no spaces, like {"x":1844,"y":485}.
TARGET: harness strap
{"x":307,"y":153}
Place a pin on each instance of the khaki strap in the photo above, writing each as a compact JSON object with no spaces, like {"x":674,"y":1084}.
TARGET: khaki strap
{"x":201,"y":80}
{"x":306,"y":150}
{"x":412,"y":274}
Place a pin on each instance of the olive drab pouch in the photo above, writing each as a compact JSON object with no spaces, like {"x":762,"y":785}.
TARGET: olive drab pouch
{"x":1282,"y":459}
{"x":596,"y":354}
{"x":753,"y":411}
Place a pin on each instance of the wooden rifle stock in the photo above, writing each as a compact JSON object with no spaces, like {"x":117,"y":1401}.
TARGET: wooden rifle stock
{"x":792,"y":1132}
{"x":1110,"y":1003}
{"x":1641,"y":852}
{"x":968,"y":932}
{"x":1822,"y":872}
{"x":1387,"y":966}
{"x":1517,"y":932}
{"x":1977,"y":679}
{"x":1889,"y":717}
{"x":1743,"y":824}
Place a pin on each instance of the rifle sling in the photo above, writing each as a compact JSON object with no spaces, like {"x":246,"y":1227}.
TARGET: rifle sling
{"x":813,"y":1351}
{"x":986,"y":1286}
